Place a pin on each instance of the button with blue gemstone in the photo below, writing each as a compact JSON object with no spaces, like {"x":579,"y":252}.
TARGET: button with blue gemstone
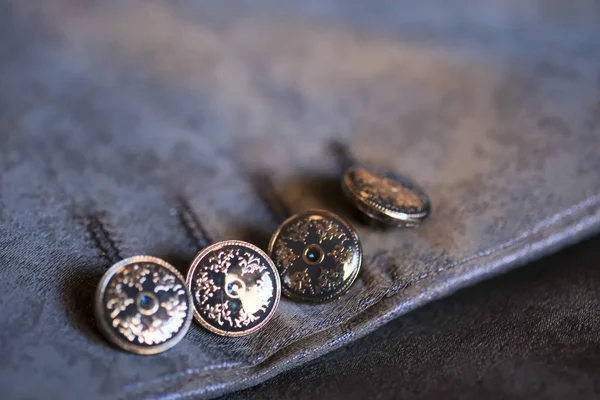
{"x":318,"y":256}
{"x":385,"y":196}
{"x":143,"y":305}
{"x":235,"y":288}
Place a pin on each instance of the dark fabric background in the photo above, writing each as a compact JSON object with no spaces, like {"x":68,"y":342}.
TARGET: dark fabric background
{"x":531,"y":334}
{"x":155,"y":127}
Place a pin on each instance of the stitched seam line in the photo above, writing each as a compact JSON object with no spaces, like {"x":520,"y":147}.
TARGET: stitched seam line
{"x":101,"y":237}
{"x":265,"y":190}
{"x":342,"y":155}
{"x":191,"y":223}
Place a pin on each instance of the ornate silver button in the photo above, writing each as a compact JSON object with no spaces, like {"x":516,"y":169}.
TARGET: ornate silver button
{"x":143,"y":306}
{"x":235,"y":288}
{"x":318,"y":255}
{"x":386,"y":197}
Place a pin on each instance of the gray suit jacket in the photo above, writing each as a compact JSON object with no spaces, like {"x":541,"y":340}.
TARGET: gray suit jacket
{"x":150,"y":127}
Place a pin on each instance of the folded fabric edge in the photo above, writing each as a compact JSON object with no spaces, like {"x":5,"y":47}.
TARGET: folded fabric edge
{"x":575,"y":224}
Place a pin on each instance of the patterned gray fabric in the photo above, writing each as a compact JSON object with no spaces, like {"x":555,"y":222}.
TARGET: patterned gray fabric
{"x":530,"y":334}
{"x":156,"y":127}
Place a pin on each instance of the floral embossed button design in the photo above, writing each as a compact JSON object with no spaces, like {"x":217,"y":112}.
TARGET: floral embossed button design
{"x":143,"y":306}
{"x":235,"y":288}
{"x":386,"y":197}
{"x":318,"y":255}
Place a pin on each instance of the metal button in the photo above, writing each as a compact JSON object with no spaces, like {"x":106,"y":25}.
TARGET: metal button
{"x":386,"y":196}
{"x":143,"y":306}
{"x":235,"y":288}
{"x":317,"y":254}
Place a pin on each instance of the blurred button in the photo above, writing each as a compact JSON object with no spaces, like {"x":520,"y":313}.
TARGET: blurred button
{"x":386,"y":197}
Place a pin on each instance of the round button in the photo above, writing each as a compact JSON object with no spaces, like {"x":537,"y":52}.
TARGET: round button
{"x":318,"y":255}
{"x":386,"y":197}
{"x":143,"y":306}
{"x":235,"y":288}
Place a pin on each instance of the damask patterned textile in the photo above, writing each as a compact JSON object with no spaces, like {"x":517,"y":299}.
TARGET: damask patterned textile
{"x":155,"y":127}
{"x":529,"y":334}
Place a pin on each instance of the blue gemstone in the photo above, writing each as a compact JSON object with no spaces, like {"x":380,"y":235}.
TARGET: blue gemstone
{"x":233,"y":288}
{"x":313,"y":255}
{"x":146,"y":302}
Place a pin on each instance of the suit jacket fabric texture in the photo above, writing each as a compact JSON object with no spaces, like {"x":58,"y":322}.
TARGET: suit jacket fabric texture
{"x":152,"y":127}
